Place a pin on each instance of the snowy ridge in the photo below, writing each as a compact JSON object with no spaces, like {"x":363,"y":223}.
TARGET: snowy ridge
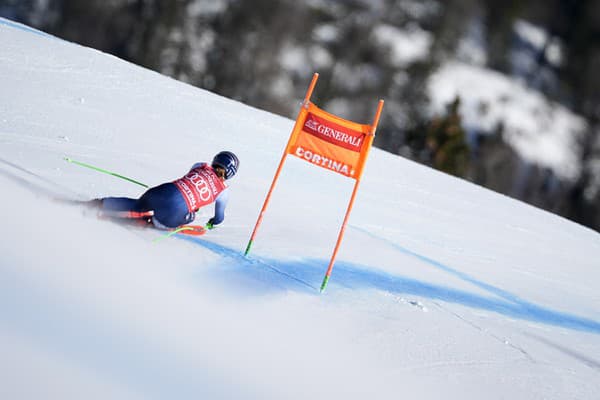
{"x":542,"y":133}
{"x":441,"y":289}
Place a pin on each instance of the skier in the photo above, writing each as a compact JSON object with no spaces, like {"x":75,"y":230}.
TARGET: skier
{"x":173,"y":204}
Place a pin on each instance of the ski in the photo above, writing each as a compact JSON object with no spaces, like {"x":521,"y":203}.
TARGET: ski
{"x":192,"y":230}
{"x":138,"y":219}
{"x":125,"y":214}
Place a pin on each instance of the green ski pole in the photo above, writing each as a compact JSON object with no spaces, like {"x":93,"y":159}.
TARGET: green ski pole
{"x":104,"y":171}
{"x":171,"y":233}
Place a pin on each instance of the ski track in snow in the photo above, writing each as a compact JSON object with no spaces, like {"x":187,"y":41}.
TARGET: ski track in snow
{"x":14,"y":172}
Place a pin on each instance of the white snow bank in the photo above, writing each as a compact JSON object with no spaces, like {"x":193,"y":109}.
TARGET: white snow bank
{"x":542,"y":132}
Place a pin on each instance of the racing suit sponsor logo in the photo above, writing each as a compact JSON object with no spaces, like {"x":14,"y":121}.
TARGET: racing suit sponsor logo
{"x":200,"y":187}
{"x":333,"y":133}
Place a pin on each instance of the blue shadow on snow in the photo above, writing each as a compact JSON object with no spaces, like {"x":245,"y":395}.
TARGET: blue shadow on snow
{"x":306,"y":275}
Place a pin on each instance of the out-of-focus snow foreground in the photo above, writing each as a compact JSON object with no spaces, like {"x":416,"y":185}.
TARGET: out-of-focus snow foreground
{"x":441,"y":289}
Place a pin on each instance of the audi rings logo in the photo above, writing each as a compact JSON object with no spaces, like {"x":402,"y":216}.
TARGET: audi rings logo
{"x":201,"y":185}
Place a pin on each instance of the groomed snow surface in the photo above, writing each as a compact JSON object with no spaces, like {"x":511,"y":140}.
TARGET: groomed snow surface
{"x":441,"y":289}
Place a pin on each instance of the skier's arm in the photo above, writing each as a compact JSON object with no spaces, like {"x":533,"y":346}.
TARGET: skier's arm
{"x":220,"y":205}
{"x":198,"y":165}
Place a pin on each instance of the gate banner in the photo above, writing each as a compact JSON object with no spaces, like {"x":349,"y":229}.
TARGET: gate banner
{"x":329,"y":141}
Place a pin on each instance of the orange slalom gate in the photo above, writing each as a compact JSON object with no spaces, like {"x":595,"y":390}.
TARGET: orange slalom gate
{"x":332,"y":143}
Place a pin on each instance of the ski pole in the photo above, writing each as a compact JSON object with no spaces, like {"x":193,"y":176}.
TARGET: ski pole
{"x":104,"y":171}
{"x":171,"y":233}
{"x":179,"y":230}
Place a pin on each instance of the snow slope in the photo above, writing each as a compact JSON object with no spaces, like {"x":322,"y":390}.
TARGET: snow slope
{"x":441,"y":290}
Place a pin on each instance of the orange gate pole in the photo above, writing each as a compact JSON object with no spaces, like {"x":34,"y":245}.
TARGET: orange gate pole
{"x":351,"y":204}
{"x":297,"y":127}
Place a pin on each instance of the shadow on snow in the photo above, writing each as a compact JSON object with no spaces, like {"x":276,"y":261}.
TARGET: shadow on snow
{"x":305,"y":275}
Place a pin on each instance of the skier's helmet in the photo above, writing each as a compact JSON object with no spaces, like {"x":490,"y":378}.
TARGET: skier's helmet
{"x":228,"y":161}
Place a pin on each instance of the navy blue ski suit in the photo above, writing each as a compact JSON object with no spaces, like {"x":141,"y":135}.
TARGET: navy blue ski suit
{"x":175,"y":203}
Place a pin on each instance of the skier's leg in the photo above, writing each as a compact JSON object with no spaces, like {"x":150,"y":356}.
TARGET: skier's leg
{"x":119,"y":204}
{"x":124,"y":207}
{"x":170,"y":209}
